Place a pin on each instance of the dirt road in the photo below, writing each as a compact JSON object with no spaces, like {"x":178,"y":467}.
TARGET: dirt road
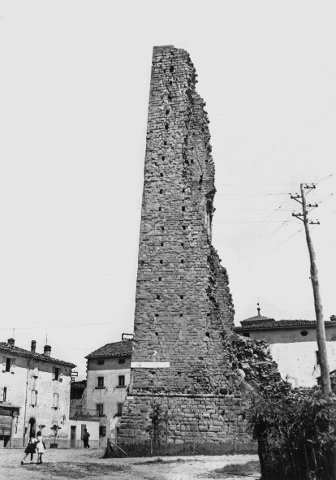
{"x":84,"y":464}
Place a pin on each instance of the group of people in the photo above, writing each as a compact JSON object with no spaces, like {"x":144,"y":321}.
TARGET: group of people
{"x":35,"y":445}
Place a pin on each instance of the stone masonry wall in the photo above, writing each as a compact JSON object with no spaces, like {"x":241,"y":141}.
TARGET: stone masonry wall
{"x":184,"y":310}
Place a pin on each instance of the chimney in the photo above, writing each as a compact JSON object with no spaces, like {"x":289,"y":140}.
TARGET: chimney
{"x":33,"y":346}
{"x":11,"y":342}
{"x":47,"y":350}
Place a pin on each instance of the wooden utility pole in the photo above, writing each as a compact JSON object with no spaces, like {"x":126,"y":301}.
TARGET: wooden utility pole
{"x":321,"y":337}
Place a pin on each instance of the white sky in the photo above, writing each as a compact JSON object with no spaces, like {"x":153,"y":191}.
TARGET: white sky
{"x":74,"y":88}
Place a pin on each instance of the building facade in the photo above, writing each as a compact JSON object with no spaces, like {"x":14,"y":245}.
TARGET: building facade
{"x":293,"y":345}
{"x":34,"y":395}
{"x":108,"y":378}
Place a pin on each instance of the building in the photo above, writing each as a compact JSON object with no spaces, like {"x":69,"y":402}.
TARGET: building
{"x":34,"y":394}
{"x":293,"y":344}
{"x":108,"y":378}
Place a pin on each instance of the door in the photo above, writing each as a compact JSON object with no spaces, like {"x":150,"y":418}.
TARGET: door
{"x":73,"y":437}
{"x":83,"y":427}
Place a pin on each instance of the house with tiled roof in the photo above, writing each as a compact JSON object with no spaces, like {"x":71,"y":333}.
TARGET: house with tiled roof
{"x":108,"y":377}
{"x":34,"y":394}
{"x":293,"y":344}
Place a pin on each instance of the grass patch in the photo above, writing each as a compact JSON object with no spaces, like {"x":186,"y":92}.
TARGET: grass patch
{"x":77,"y":469}
{"x":159,"y":460}
{"x":249,"y":468}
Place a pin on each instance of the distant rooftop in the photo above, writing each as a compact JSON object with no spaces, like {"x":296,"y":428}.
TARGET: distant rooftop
{"x":12,"y":350}
{"x":260,"y":322}
{"x":116,"y":349}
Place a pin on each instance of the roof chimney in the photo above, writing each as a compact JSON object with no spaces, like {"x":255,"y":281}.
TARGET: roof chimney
{"x":11,"y":342}
{"x":47,"y":350}
{"x":258,"y":310}
{"x":33,"y":346}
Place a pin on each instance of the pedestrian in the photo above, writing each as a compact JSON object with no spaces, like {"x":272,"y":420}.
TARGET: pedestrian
{"x":86,"y":439}
{"x":30,"y":449}
{"x":40,"y":447}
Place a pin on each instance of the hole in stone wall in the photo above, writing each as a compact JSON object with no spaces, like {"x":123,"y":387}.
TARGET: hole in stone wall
{"x":167,"y":111}
{"x":165,"y":143}
{"x":181,"y":297}
{"x":183,"y":209}
{"x":191,"y":161}
{"x":183,"y":190}
{"x":171,"y":83}
{"x":182,"y":244}
{"x":184,"y":227}
{"x":162,"y":228}
{"x":182,"y":261}
{"x":156,"y":314}
{"x":161,"y":261}
{"x":166,"y":126}
{"x":181,"y":314}
{"x":156,"y":334}
{"x":202,"y":129}
{"x":161,"y":174}
{"x":169,"y":97}
{"x":158,"y":297}
{"x":161,"y":190}
{"x":207,"y":334}
{"x":171,"y":69}
{"x":163,"y":157}
{"x":208,"y":314}
{"x":160,"y":279}
{"x":159,"y":209}
{"x":161,"y":244}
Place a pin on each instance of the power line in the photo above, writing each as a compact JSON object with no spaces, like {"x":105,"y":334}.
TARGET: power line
{"x":56,"y":326}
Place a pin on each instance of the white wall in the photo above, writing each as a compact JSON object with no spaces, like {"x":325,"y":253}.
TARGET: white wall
{"x":298,"y":361}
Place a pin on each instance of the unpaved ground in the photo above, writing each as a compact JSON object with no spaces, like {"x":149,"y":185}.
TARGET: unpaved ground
{"x":89,"y":464}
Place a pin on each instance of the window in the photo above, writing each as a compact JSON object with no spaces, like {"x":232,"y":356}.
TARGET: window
{"x":56,"y":373}
{"x":317,"y":357}
{"x":121,"y":360}
{"x":102,"y":431}
{"x":100,"y":409}
{"x":8,"y":364}
{"x":55,"y":401}
{"x":33,"y":398}
{"x":304,"y":333}
{"x":119,"y":409}
{"x":100,"y":382}
{"x":101,"y":361}
{"x":121,"y":381}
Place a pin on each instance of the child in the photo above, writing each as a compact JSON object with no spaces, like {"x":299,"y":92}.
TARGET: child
{"x":30,"y":449}
{"x":40,"y":447}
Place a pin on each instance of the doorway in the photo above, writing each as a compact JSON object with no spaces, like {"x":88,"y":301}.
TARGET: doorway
{"x":73,"y":437}
{"x":32,"y":427}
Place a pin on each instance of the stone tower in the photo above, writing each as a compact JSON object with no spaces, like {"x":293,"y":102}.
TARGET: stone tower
{"x":184,"y":310}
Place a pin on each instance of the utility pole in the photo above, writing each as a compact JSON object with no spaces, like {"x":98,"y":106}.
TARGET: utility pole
{"x":321,"y":337}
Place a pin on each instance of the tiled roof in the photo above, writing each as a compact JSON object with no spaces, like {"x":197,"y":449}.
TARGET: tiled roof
{"x":116,"y":349}
{"x":282,"y":324}
{"x":257,"y":319}
{"x":37,"y":356}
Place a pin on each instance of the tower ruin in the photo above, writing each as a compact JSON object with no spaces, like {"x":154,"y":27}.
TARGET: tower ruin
{"x":184,"y":310}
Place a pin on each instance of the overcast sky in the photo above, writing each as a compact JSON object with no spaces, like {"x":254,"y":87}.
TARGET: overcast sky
{"x":74,"y":89}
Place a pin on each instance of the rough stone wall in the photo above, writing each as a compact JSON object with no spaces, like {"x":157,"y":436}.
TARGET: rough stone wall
{"x":184,"y":310}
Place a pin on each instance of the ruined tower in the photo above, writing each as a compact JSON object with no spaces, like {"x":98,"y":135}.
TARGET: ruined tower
{"x":184,"y":310}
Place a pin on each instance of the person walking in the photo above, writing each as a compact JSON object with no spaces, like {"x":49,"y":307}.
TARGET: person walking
{"x":30,"y":449}
{"x":86,"y":437}
{"x":40,"y":447}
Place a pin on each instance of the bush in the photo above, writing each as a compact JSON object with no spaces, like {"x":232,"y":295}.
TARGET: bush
{"x":296,"y":436}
